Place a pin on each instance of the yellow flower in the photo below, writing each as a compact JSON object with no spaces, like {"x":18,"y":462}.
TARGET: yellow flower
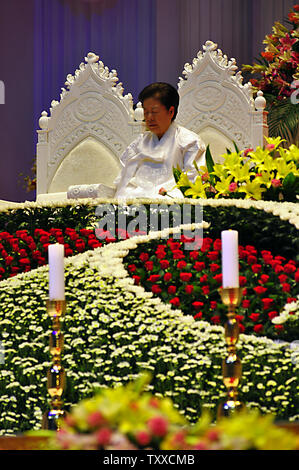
{"x":265,"y":178}
{"x":291,"y":154}
{"x":241,"y":173}
{"x":183,"y":181}
{"x":252,"y":189}
{"x":283,"y":168}
{"x":220,"y":171}
{"x":197,"y":189}
{"x":276,"y":141}
{"x":222,"y":186}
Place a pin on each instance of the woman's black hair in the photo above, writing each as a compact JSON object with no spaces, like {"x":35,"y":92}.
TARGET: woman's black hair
{"x":164,"y":92}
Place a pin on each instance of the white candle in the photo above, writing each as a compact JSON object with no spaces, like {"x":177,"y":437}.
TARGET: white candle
{"x":56,"y":271}
{"x":230,"y":258}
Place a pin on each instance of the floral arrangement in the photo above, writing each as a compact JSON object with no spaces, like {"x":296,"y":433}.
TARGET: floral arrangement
{"x":269,"y":173}
{"x":288,"y":318}
{"x":114,"y":331}
{"x":191,"y":280}
{"x":277,"y":74}
{"x":128,"y":418}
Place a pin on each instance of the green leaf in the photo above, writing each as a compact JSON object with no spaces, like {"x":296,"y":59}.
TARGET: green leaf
{"x":236,"y":147}
{"x":209,"y":160}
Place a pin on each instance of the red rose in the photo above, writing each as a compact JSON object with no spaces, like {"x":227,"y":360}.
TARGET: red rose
{"x":272,"y":314}
{"x":267,"y":303}
{"x":254,"y":316}
{"x":132,"y":268}
{"x":154,"y":277}
{"x":278,"y":269}
{"x":156,"y":289}
{"x":242,"y":280}
{"x":164,"y":263}
{"x":260,"y":290}
{"x":144,"y":257}
{"x":80,"y":245}
{"x":181,"y":264}
{"x":267,"y":259}
{"x":251,"y":259}
{"x":24,"y":261}
{"x":199,"y":265}
{"x":214,"y":267}
{"x":149,"y":265}
{"x":289,"y":268}
{"x":171,"y":290}
{"x":291,"y":299}
{"x":297,"y":276}
{"x":197,"y":315}
{"x":246,"y":303}
{"x":264,"y":279}
{"x":256,"y":268}
{"x":136,"y":279}
{"x":241,"y":328}
{"x":167,"y":277}
{"x":286,"y":287}
{"x":185,"y":277}
{"x":205,"y":290}
{"x":175,"y":301}
{"x":194,"y":255}
{"x":239,"y":318}
{"x":278,"y":328}
{"x":282,"y":278}
{"x":198,"y":305}
{"x":217,"y":244}
{"x":251,"y":249}
{"x":160,"y":254}
{"x":8,"y":260}
{"x":218,"y":278}
{"x":258,"y":328}
{"x":216,"y":319}
{"x":178,"y":254}
{"x":213,"y":304}
{"x":189,"y":289}
{"x":245,"y":291}
{"x":203,"y":278}
{"x":213,"y":255}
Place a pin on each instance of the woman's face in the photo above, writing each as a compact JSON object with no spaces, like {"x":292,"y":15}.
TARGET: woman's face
{"x":157,"y":116}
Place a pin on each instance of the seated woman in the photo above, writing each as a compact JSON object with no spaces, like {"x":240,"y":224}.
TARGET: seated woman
{"x":147,"y":163}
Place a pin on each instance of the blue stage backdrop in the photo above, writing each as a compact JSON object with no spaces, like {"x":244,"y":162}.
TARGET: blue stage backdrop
{"x":41,"y":41}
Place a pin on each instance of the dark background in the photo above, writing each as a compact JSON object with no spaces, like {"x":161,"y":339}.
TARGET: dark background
{"x":41,"y":41}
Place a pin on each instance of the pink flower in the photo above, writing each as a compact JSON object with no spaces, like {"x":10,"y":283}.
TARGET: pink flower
{"x":103,"y":436}
{"x":158,"y":426}
{"x":162,"y":192}
{"x":143,"y":438}
{"x":233,"y":187}
{"x":275,"y":183}
{"x":246,"y":151}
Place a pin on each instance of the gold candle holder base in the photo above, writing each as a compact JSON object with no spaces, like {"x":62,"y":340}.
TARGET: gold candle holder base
{"x":56,"y":373}
{"x":231,"y":365}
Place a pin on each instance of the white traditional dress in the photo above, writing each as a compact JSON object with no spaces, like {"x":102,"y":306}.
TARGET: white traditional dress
{"x":147,"y":163}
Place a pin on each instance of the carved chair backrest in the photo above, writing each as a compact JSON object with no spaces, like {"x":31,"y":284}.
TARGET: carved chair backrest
{"x":87,"y":130}
{"x":216,"y":105}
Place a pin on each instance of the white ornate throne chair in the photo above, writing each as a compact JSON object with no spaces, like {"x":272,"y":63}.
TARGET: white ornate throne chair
{"x":80,"y":143}
{"x":216,"y":105}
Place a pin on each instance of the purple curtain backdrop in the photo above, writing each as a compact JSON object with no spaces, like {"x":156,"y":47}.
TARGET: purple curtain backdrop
{"x":41,"y":41}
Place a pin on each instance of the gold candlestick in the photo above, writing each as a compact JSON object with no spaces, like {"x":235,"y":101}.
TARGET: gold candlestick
{"x":231,"y":365}
{"x":56,"y":373}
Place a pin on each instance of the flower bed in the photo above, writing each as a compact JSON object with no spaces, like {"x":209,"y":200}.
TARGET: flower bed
{"x":114,"y":331}
{"x":191,"y":280}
